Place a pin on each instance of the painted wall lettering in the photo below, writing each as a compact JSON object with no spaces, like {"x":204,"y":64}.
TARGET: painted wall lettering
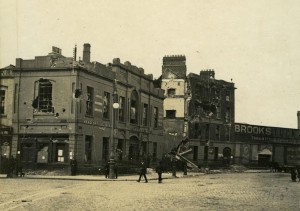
{"x":250,"y":129}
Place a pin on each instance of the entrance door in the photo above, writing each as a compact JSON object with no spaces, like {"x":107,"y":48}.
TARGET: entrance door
{"x":226,"y":155}
{"x":28,"y":153}
{"x":264,"y":160}
{"x":134,"y":148}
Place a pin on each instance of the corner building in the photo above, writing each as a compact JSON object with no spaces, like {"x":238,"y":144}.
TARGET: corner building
{"x":63,"y":110}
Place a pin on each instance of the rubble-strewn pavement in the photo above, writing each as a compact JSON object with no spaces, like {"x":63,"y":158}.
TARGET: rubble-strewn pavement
{"x":250,"y":190}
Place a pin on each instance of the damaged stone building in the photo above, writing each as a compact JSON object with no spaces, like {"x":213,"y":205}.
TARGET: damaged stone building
{"x":63,"y":108}
{"x":199,"y":107}
{"x":211,"y":115}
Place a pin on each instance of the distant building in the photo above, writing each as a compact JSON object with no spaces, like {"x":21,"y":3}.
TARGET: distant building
{"x":62,"y":109}
{"x":260,"y":145}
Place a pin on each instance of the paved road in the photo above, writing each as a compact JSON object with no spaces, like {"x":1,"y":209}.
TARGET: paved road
{"x":236,"y":191}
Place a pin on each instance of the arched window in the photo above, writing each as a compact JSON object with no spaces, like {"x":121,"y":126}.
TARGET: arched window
{"x":134,"y":105}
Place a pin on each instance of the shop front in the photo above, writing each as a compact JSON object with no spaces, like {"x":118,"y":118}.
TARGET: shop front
{"x":5,"y":147}
{"x":44,"y":152}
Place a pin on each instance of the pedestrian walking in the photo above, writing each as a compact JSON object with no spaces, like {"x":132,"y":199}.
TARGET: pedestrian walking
{"x":106,"y":170}
{"x":298,"y":173}
{"x":143,"y":171}
{"x":116,"y":170}
{"x":173,"y":163}
{"x":184,"y":168}
{"x":73,"y":164}
{"x":159,"y":171}
{"x":293,"y":174}
{"x":11,"y":167}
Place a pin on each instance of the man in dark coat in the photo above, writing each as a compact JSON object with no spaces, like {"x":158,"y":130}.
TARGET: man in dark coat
{"x":73,"y":164}
{"x":116,"y":167}
{"x":11,"y":167}
{"x":143,"y":171}
{"x":298,"y":173}
{"x":293,"y":174}
{"x":159,"y":170}
{"x":106,"y":170}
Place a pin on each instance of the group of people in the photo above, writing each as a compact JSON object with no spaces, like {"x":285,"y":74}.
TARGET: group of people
{"x":14,"y":168}
{"x":143,"y":172}
{"x":106,"y":170}
{"x":295,"y":173}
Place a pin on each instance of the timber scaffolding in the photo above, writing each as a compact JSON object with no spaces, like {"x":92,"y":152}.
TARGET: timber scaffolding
{"x":181,"y":150}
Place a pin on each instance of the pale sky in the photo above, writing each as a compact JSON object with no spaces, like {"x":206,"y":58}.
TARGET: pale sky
{"x":254,"y":42}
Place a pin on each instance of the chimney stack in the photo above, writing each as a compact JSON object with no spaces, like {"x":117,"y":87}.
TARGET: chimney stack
{"x":86,"y":58}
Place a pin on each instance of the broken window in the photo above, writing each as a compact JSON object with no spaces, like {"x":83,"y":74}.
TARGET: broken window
{"x":89,"y":101}
{"x":171,"y":92}
{"x":170,"y":114}
{"x":145,"y":115}
{"x":134,"y":108}
{"x":217,"y":132}
{"x":2,"y":101}
{"x":106,"y":105}
{"x":133,"y":112}
{"x":227,"y":115}
{"x":155,"y":114}
{"x":122,"y":109}
{"x":43,"y":100}
{"x":227,"y":96}
{"x":88,"y":149}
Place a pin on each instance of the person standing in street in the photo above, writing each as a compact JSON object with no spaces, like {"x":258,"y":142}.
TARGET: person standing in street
{"x":298,"y":173}
{"x":173,"y":163}
{"x":184,"y":168}
{"x":159,"y":171}
{"x":143,"y":171}
{"x":116,"y":170}
{"x":73,"y":164}
{"x":106,"y":170}
{"x":11,"y":167}
{"x":293,"y":174}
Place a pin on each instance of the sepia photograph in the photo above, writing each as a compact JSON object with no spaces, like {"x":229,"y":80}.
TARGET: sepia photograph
{"x":149,"y":105}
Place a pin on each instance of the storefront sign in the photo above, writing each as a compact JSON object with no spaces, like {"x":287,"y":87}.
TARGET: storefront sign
{"x":251,"y":129}
{"x":263,"y":133}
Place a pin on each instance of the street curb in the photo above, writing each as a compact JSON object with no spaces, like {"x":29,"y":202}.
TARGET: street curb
{"x":96,"y":179}
{"x":40,"y":177}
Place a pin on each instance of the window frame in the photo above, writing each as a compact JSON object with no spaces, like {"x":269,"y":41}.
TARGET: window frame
{"x":2,"y":101}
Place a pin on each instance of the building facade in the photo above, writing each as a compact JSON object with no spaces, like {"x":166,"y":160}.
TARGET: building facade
{"x":63,"y":109}
{"x":260,"y":145}
{"x":7,"y":90}
{"x":173,"y":82}
{"x":198,"y":107}
{"x":211,"y":114}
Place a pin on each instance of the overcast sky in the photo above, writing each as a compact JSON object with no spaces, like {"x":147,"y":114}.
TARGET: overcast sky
{"x":254,"y":42}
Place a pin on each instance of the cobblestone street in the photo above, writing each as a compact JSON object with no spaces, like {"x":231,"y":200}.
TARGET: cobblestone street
{"x":232,"y":191}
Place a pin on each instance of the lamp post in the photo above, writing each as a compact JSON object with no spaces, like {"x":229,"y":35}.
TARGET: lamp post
{"x":112,"y":162}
